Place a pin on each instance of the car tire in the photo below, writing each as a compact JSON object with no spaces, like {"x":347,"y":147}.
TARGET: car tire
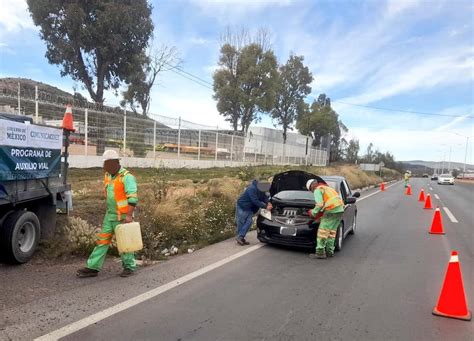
{"x":339,"y":237}
{"x":19,"y":237}
{"x":354,"y":225}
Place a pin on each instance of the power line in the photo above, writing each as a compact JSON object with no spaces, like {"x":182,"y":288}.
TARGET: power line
{"x":206,"y":84}
{"x":401,"y":110}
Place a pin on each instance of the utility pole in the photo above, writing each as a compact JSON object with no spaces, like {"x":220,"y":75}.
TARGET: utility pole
{"x":465,"y":157}
{"x":449,"y":164}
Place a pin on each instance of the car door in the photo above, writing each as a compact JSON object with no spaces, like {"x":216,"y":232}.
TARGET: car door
{"x":349,"y":209}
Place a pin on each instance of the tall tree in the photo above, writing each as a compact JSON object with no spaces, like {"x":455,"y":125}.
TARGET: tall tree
{"x":352,"y":151}
{"x":319,"y":120}
{"x":157,"y":61}
{"x":369,"y":155}
{"x":292,"y":87}
{"x":244,"y":85}
{"x":99,"y":43}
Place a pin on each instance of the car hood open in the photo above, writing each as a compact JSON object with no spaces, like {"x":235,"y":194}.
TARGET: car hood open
{"x":292,"y":181}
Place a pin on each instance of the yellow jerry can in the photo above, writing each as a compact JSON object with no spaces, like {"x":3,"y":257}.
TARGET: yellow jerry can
{"x":129,"y":237}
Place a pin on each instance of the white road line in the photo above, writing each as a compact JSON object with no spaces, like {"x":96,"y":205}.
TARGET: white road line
{"x":436,"y":196}
{"x":90,"y":320}
{"x":367,"y":196}
{"x":450,"y":215}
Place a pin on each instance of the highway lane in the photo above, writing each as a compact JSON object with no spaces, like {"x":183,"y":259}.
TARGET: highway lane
{"x":382,"y":286}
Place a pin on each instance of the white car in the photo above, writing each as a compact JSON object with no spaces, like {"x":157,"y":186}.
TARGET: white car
{"x":445,"y":179}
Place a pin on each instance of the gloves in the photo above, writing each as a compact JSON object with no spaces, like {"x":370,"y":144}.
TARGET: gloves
{"x":310,"y":213}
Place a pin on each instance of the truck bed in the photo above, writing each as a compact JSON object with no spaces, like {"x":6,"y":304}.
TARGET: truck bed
{"x":19,"y":191}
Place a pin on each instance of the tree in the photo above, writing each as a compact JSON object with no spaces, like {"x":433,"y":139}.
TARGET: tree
{"x":244,"y":85}
{"x":138,"y":92}
{"x":369,"y":155}
{"x":97,"y":43}
{"x":352,"y":151}
{"x":292,"y":87}
{"x":319,"y":120}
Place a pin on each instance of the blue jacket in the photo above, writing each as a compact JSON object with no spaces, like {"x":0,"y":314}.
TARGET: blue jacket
{"x":252,"y":198}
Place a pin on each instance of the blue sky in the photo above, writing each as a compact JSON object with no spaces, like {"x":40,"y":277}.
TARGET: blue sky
{"x":405,"y":54}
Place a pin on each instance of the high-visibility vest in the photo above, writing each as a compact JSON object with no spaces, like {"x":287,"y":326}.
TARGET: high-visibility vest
{"x":120,"y":196}
{"x":331,"y":198}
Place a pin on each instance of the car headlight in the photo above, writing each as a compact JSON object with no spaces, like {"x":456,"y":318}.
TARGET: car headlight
{"x":266,"y":213}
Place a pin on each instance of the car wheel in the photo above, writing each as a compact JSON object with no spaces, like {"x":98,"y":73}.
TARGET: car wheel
{"x":354,"y":225}
{"x":19,"y":237}
{"x":339,"y":237}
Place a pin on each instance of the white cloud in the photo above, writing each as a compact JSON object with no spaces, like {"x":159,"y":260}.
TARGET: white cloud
{"x":14,"y":16}
{"x":395,"y":7}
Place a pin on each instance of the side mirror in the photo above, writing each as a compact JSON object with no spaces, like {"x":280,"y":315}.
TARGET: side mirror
{"x":356,"y":195}
{"x":351,"y":200}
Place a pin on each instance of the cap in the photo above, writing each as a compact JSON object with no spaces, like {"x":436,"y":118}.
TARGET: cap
{"x":110,"y":155}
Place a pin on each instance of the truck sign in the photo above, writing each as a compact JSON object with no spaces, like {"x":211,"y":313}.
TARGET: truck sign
{"x":29,"y":151}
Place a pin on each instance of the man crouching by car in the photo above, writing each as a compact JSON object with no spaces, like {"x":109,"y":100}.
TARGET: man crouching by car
{"x":250,"y":201}
{"x":331,"y":205}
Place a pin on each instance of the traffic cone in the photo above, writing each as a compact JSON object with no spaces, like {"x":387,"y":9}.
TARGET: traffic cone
{"x":67,"y":120}
{"x":437,"y":224}
{"x":452,"y":301}
{"x":382,"y":187}
{"x":408,"y":192}
{"x":428,"y":202}
{"x":422,"y":195}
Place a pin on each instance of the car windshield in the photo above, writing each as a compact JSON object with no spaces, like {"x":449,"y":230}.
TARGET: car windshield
{"x":445,"y":175}
{"x":294,"y":195}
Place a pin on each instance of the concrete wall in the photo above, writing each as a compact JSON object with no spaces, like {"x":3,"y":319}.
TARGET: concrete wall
{"x":81,"y":161}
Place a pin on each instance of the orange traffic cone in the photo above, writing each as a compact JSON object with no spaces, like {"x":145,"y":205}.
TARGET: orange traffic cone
{"x":67,"y":120}
{"x":422,"y":195}
{"x":408,"y":192}
{"x":452,"y":300}
{"x":428,"y":202}
{"x":437,"y":224}
{"x":382,"y":187}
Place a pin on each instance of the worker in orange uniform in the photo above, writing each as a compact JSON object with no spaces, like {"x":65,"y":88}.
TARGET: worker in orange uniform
{"x":331,"y":205}
{"x":120,"y":189}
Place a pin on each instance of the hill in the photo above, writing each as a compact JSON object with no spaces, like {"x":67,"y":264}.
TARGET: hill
{"x":434,"y":164}
{"x":28,"y":86}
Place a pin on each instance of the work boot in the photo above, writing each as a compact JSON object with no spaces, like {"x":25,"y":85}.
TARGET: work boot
{"x":86,"y":272}
{"x":330,"y":254}
{"x":245,"y":242}
{"x":317,"y":256}
{"x":240,"y":241}
{"x":127,"y":273}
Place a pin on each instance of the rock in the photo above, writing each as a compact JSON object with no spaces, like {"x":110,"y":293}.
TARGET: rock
{"x":167,"y":254}
{"x":190,"y":250}
{"x":174,"y":250}
{"x":165,"y":251}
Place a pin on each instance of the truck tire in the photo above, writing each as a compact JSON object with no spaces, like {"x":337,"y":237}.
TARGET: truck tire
{"x":19,"y":237}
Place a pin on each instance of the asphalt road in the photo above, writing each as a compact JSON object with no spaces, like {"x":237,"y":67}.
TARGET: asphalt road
{"x":382,"y":286}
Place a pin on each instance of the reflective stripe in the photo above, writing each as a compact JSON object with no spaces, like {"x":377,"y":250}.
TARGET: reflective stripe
{"x":104,"y":235}
{"x":103,"y":242}
{"x":122,"y":203}
{"x":323,"y":234}
{"x":332,"y":234}
{"x":132,"y":195}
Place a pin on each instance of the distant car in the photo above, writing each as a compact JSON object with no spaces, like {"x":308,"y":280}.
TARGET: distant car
{"x":289,"y":224}
{"x":426,"y":175}
{"x":445,"y":179}
{"x":434,"y":177}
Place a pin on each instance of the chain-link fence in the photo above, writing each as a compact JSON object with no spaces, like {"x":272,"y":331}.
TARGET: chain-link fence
{"x":100,"y":127}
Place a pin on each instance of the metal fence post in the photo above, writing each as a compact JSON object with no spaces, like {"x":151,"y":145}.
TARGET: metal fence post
{"x":124,"y":130}
{"x":217,"y":139}
{"x":36,"y":105}
{"x":86,"y":132}
{"x":19,"y":104}
{"x":179,"y":138}
{"x":199,"y":145}
{"x":154,"y":140}
{"x":231,"y":146}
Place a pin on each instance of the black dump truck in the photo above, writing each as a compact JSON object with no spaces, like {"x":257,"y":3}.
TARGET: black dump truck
{"x":33,"y":185}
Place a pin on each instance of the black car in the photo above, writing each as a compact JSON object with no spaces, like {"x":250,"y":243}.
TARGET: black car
{"x":289,"y":224}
